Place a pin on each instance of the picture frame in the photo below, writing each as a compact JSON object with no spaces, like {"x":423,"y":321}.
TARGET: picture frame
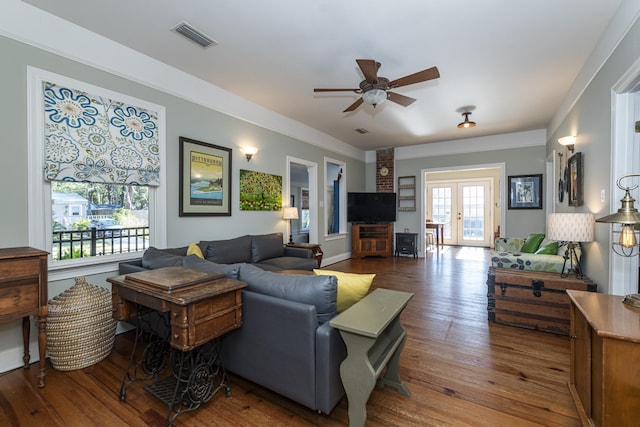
{"x":260,"y":191}
{"x":575,"y":177}
{"x":205,"y":179}
{"x":525,"y":191}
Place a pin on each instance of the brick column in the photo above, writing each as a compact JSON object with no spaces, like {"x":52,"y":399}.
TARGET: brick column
{"x":384,"y":158}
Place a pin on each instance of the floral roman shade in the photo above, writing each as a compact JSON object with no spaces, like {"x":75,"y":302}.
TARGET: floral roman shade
{"x":89,"y":138}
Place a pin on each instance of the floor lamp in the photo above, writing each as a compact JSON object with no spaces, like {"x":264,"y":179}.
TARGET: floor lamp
{"x":290,"y":213}
{"x":572,"y":228}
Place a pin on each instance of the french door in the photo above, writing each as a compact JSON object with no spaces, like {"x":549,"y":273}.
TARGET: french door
{"x":465,"y":208}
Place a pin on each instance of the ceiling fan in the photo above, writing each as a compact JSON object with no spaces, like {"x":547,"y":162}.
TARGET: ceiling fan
{"x":376,"y":89}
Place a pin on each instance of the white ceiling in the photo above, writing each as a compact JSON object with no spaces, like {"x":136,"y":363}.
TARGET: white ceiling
{"x":514,"y":61}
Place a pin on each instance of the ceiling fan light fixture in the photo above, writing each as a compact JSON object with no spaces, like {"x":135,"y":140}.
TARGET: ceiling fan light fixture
{"x":374,"y":96}
{"x":466,"y":124}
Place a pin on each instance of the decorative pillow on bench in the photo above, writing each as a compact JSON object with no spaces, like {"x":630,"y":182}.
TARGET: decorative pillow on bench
{"x":532,"y":243}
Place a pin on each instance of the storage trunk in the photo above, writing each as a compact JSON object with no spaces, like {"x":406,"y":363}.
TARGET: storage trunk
{"x":532,"y":299}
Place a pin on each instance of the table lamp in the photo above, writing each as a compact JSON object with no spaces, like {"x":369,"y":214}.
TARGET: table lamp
{"x":573,"y":228}
{"x":290,"y":213}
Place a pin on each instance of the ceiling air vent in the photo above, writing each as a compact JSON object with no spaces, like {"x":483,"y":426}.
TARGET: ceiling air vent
{"x":193,"y":34}
{"x":361,"y":130}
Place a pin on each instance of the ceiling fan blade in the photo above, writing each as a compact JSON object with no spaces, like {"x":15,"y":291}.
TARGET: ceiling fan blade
{"x":369,"y":68}
{"x":420,"y":76}
{"x":337,"y":90}
{"x":354,"y":105}
{"x":405,"y":101}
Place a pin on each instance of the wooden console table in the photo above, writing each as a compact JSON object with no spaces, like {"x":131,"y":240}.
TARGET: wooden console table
{"x":605,"y":359}
{"x":374,"y":337}
{"x":200,"y":307}
{"x":23,"y":293}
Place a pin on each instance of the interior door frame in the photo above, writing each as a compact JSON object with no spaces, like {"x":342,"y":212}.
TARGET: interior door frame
{"x":500,"y":188}
{"x":312,"y":169}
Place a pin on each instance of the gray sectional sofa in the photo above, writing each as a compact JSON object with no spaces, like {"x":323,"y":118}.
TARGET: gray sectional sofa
{"x":285,"y":343}
{"x":265,"y":251}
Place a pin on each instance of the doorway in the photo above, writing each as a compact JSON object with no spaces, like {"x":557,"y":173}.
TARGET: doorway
{"x":465,"y":208}
{"x":302,"y":186}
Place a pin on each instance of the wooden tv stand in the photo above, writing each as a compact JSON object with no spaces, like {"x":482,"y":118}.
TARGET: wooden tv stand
{"x":371,"y":240}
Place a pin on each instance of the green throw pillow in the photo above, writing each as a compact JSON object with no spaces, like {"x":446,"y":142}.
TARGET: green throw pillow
{"x":531,"y":244}
{"x":548,"y":249}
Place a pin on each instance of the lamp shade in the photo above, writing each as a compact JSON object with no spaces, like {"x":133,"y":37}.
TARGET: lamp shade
{"x":567,"y":140}
{"x":571,"y":227}
{"x":290,"y":213}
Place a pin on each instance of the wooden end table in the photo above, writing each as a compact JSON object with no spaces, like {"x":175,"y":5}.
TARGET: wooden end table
{"x":198,"y":307}
{"x":23,"y":293}
{"x":313,"y":247}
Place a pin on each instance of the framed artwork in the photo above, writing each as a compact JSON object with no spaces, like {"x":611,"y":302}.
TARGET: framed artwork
{"x":574,"y":190}
{"x":260,"y":191}
{"x":205,"y":179}
{"x":525,"y":192}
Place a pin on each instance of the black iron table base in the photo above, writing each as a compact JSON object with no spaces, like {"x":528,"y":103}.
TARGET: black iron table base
{"x":195,"y":376}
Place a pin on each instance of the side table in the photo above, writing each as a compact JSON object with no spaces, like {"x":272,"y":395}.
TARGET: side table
{"x":198,"y":307}
{"x":23,"y":293}
{"x":313,"y":247}
{"x":374,"y":338}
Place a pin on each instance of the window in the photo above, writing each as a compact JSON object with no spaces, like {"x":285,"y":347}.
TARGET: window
{"x":335,"y":197}
{"x":109,"y":219}
{"x":48,"y":214}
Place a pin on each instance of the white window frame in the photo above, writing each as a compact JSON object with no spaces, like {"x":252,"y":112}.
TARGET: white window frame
{"x":39,"y":190}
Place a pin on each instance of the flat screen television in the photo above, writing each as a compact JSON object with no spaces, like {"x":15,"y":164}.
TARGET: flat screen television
{"x":371,"y":208}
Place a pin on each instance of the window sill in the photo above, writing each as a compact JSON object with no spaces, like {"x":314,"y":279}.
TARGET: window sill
{"x":67,"y":269}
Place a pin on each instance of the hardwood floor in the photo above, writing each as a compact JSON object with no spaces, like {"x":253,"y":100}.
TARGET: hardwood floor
{"x":461,"y":370}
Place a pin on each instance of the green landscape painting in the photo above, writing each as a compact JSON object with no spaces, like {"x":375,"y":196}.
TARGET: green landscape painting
{"x":260,"y":191}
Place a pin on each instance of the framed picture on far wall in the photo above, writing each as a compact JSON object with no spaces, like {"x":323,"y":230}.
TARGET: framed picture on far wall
{"x":205,"y":179}
{"x":525,"y":192}
{"x":574,"y":187}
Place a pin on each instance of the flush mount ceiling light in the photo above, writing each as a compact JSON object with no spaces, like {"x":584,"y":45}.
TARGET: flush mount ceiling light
{"x":467,"y":123}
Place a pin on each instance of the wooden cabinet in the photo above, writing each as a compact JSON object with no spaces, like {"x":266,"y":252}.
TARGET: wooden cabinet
{"x":371,"y":240}
{"x":605,"y":359}
{"x":23,"y":293}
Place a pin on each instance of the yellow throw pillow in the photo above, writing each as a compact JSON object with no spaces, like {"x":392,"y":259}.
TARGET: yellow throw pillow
{"x":352,"y":287}
{"x":194,"y":249}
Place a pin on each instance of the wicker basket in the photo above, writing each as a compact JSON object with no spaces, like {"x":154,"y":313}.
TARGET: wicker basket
{"x":80,"y":326}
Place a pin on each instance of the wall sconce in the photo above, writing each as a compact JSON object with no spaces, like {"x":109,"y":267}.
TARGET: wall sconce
{"x":290,"y":213}
{"x":624,"y":240}
{"x":248,"y":152}
{"x":568,"y":141}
